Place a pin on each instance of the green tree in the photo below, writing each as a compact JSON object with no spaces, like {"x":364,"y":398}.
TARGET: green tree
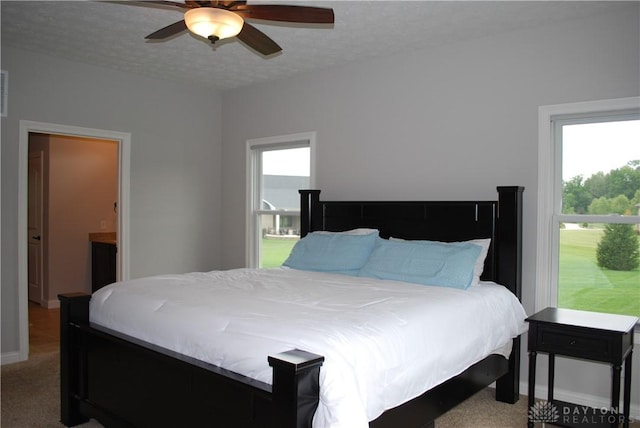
{"x":576,"y":198}
{"x":623,"y":181}
{"x":596,"y":185}
{"x":634,"y":202}
{"x":599,"y":194}
{"x":620,"y":205}
{"x":618,"y":248}
{"x":569,"y":204}
{"x":600,"y":206}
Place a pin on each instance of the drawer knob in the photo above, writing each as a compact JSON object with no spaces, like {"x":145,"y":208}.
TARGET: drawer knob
{"x":573,"y":342}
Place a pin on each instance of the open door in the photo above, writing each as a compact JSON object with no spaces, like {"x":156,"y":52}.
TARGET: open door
{"x":34,"y":225}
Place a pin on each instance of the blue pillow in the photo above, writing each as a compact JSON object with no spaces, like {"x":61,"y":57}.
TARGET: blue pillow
{"x":335,"y":252}
{"x":427,"y":262}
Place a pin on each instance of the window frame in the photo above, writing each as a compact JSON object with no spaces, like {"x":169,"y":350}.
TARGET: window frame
{"x":254,"y":148}
{"x":549,"y":213}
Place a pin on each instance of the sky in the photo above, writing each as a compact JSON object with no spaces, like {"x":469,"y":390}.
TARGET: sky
{"x":593,"y":147}
{"x":287,"y":162}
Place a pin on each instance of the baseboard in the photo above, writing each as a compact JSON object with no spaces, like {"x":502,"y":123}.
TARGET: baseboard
{"x":11,"y":357}
{"x":52,"y":304}
{"x":578,"y":398}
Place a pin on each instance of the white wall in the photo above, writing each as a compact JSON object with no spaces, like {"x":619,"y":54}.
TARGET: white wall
{"x":452,"y":122}
{"x":175,"y":129}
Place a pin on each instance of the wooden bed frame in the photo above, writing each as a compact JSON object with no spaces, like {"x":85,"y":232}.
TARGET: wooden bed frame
{"x":124,"y":382}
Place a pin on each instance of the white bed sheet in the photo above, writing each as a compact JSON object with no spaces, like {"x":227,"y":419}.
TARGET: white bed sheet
{"x":384,"y":342}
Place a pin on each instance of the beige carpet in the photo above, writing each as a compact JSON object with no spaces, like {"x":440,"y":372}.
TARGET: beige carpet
{"x":31,"y":393}
{"x":30,"y":399}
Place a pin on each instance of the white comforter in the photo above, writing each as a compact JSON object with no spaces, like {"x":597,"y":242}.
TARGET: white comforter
{"x":384,"y":342}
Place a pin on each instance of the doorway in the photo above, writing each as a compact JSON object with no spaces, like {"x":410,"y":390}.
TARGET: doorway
{"x":28,"y":242}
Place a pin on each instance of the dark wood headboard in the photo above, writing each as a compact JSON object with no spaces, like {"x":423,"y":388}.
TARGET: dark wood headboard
{"x":448,"y":221}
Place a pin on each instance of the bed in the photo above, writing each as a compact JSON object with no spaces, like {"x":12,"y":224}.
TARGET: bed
{"x":123,"y":379}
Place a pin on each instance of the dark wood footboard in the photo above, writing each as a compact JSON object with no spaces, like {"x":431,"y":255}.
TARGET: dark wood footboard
{"x":124,"y":382}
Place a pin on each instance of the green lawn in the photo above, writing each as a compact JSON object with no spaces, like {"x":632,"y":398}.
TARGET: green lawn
{"x":583,"y":285}
{"x":275,"y":251}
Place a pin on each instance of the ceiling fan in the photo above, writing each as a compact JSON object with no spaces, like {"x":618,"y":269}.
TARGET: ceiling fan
{"x":216,"y":19}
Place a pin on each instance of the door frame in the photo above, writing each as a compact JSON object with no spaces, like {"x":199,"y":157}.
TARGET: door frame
{"x":124,"y":161}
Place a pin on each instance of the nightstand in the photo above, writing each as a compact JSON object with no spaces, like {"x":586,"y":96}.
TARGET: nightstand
{"x":589,"y":336}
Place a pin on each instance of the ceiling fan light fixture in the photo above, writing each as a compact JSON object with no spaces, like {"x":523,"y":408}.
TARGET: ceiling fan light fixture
{"x":210,"y":21}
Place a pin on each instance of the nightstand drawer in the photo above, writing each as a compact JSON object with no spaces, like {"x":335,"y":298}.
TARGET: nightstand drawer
{"x":574,"y":344}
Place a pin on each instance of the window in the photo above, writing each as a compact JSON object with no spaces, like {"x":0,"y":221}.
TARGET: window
{"x":278,"y":168}
{"x":588,"y":207}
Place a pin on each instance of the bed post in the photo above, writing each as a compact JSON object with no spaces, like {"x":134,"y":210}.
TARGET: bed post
{"x":309,"y":200}
{"x":509,"y":273}
{"x":74,"y":311}
{"x":296,"y":387}
{"x":509,"y":234}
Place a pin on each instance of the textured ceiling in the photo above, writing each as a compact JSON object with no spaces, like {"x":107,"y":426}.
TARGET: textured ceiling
{"x":111,"y":34}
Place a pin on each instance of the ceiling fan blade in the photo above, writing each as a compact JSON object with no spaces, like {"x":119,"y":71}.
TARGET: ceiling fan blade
{"x":168,"y":31}
{"x":159,"y":2}
{"x":304,"y":14}
{"x":229,"y":4}
{"x":257,"y":40}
